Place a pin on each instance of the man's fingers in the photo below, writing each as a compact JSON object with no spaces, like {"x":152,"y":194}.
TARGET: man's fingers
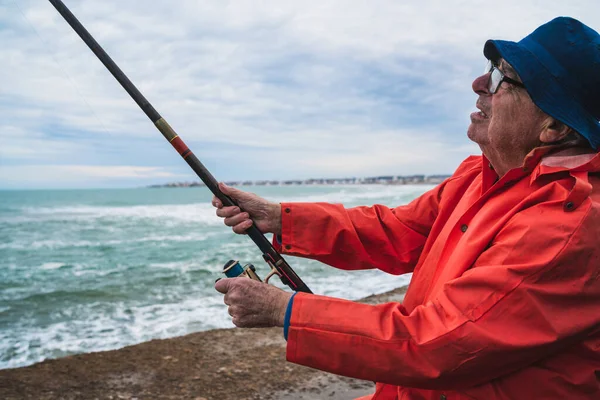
{"x":216,"y":202}
{"x":227,"y":190}
{"x":242,"y":227}
{"x":226,"y":212}
{"x":253,"y":304}
{"x":236,"y":219}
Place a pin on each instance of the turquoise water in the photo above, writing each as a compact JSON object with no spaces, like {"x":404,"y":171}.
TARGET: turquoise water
{"x":91,"y":270}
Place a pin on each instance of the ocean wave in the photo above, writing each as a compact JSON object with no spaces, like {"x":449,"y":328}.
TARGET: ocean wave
{"x":66,"y":295}
{"x":91,"y":278}
{"x":391,"y":195}
{"x":63,"y":243}
{"x":53,"y":265}
{"x":97,"y":321}
{"x":183,"y":266}
{"x":120,"y":326}
{"x":202,"y":214}
{"x":354,"y":285}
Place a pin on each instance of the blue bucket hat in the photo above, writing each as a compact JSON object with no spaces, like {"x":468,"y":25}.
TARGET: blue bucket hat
{"x":559,"y":63}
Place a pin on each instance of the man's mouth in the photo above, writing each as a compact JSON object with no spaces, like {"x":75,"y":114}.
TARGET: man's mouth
{"x":481,"y":111}
{"x":479,"y":116}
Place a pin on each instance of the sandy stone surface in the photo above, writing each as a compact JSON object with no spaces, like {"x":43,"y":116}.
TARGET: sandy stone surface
{"x":220,"y":364}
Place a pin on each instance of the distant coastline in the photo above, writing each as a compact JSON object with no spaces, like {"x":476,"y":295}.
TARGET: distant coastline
{"x":373,"y":180}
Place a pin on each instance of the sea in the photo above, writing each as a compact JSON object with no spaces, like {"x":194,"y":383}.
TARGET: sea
{"x":92,"y":270}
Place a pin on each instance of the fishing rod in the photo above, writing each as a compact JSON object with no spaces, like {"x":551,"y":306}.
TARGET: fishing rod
{"x":277,"y":263}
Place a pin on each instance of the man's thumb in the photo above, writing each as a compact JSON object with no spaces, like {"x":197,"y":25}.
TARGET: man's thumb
{"x":222,"y":285}
{"x":228,"y":190}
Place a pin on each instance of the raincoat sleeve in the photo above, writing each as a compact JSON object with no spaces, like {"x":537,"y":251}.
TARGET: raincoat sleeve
{"x":390,"y":239}
{"x":533,"y":292}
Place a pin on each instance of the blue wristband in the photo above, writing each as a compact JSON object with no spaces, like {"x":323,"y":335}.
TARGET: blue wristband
{"x":288,"y":316}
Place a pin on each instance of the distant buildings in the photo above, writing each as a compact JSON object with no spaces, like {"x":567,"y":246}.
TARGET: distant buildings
{"x":373,"y":180}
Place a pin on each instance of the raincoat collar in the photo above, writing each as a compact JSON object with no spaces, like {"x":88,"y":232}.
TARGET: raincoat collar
{"x":555,"y":158}
{"x":542,"y":161}
{"x":546,"y":160}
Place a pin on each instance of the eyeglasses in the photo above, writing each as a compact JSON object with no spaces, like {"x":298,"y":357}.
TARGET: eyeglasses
{"x":497,"y":77}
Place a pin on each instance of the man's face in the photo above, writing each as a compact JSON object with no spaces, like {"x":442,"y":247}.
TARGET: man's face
{"x":508,"y":125}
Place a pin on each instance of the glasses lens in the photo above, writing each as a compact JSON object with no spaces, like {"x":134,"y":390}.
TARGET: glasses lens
{"x":488,"y":67}
{"x":495,"y":80}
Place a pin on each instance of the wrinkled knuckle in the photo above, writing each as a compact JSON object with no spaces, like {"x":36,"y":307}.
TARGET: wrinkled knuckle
{"x":231,"y":211}
{"x":235,"y":297}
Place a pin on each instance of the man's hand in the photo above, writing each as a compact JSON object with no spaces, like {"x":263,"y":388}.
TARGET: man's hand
{"x":253,"y":304}
{"x":265,"y":214}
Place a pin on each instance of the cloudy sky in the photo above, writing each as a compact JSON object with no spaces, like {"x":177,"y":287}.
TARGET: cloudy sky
{"x":257,"y":89}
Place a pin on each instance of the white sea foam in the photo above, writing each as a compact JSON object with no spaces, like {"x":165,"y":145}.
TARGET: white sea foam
{"x":183,"y":266}
{"x":351,"y":194}
{"x":51,"y":265}
{"x":197,"y":213}
{"x":62,"y":243}
{"x":354,"y":285}
{"x":203,"y":214}
{"x":125,"y":325}
{"x":81,"y":270}
{"x":91,"y":330}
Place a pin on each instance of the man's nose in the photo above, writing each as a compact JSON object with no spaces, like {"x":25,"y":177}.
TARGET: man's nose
{"x":480,"y":84}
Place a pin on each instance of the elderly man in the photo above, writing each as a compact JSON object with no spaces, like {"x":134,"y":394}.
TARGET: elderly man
{"x":504,"y":301}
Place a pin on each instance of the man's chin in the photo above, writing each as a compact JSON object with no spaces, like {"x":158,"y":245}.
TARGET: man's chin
{"x":477,"y":133}
{"x":472,"y":133}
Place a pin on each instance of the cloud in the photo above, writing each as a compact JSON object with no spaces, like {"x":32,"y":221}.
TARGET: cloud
{"x":286,"y":88}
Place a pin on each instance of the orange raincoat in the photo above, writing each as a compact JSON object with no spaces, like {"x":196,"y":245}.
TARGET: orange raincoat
{"x":504,"y":301}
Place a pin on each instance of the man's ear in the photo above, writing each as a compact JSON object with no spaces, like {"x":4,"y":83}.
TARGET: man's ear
{"x":553,"y":131}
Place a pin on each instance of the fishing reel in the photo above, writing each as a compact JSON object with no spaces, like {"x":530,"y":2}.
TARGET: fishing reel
{"x":233,"y":269}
